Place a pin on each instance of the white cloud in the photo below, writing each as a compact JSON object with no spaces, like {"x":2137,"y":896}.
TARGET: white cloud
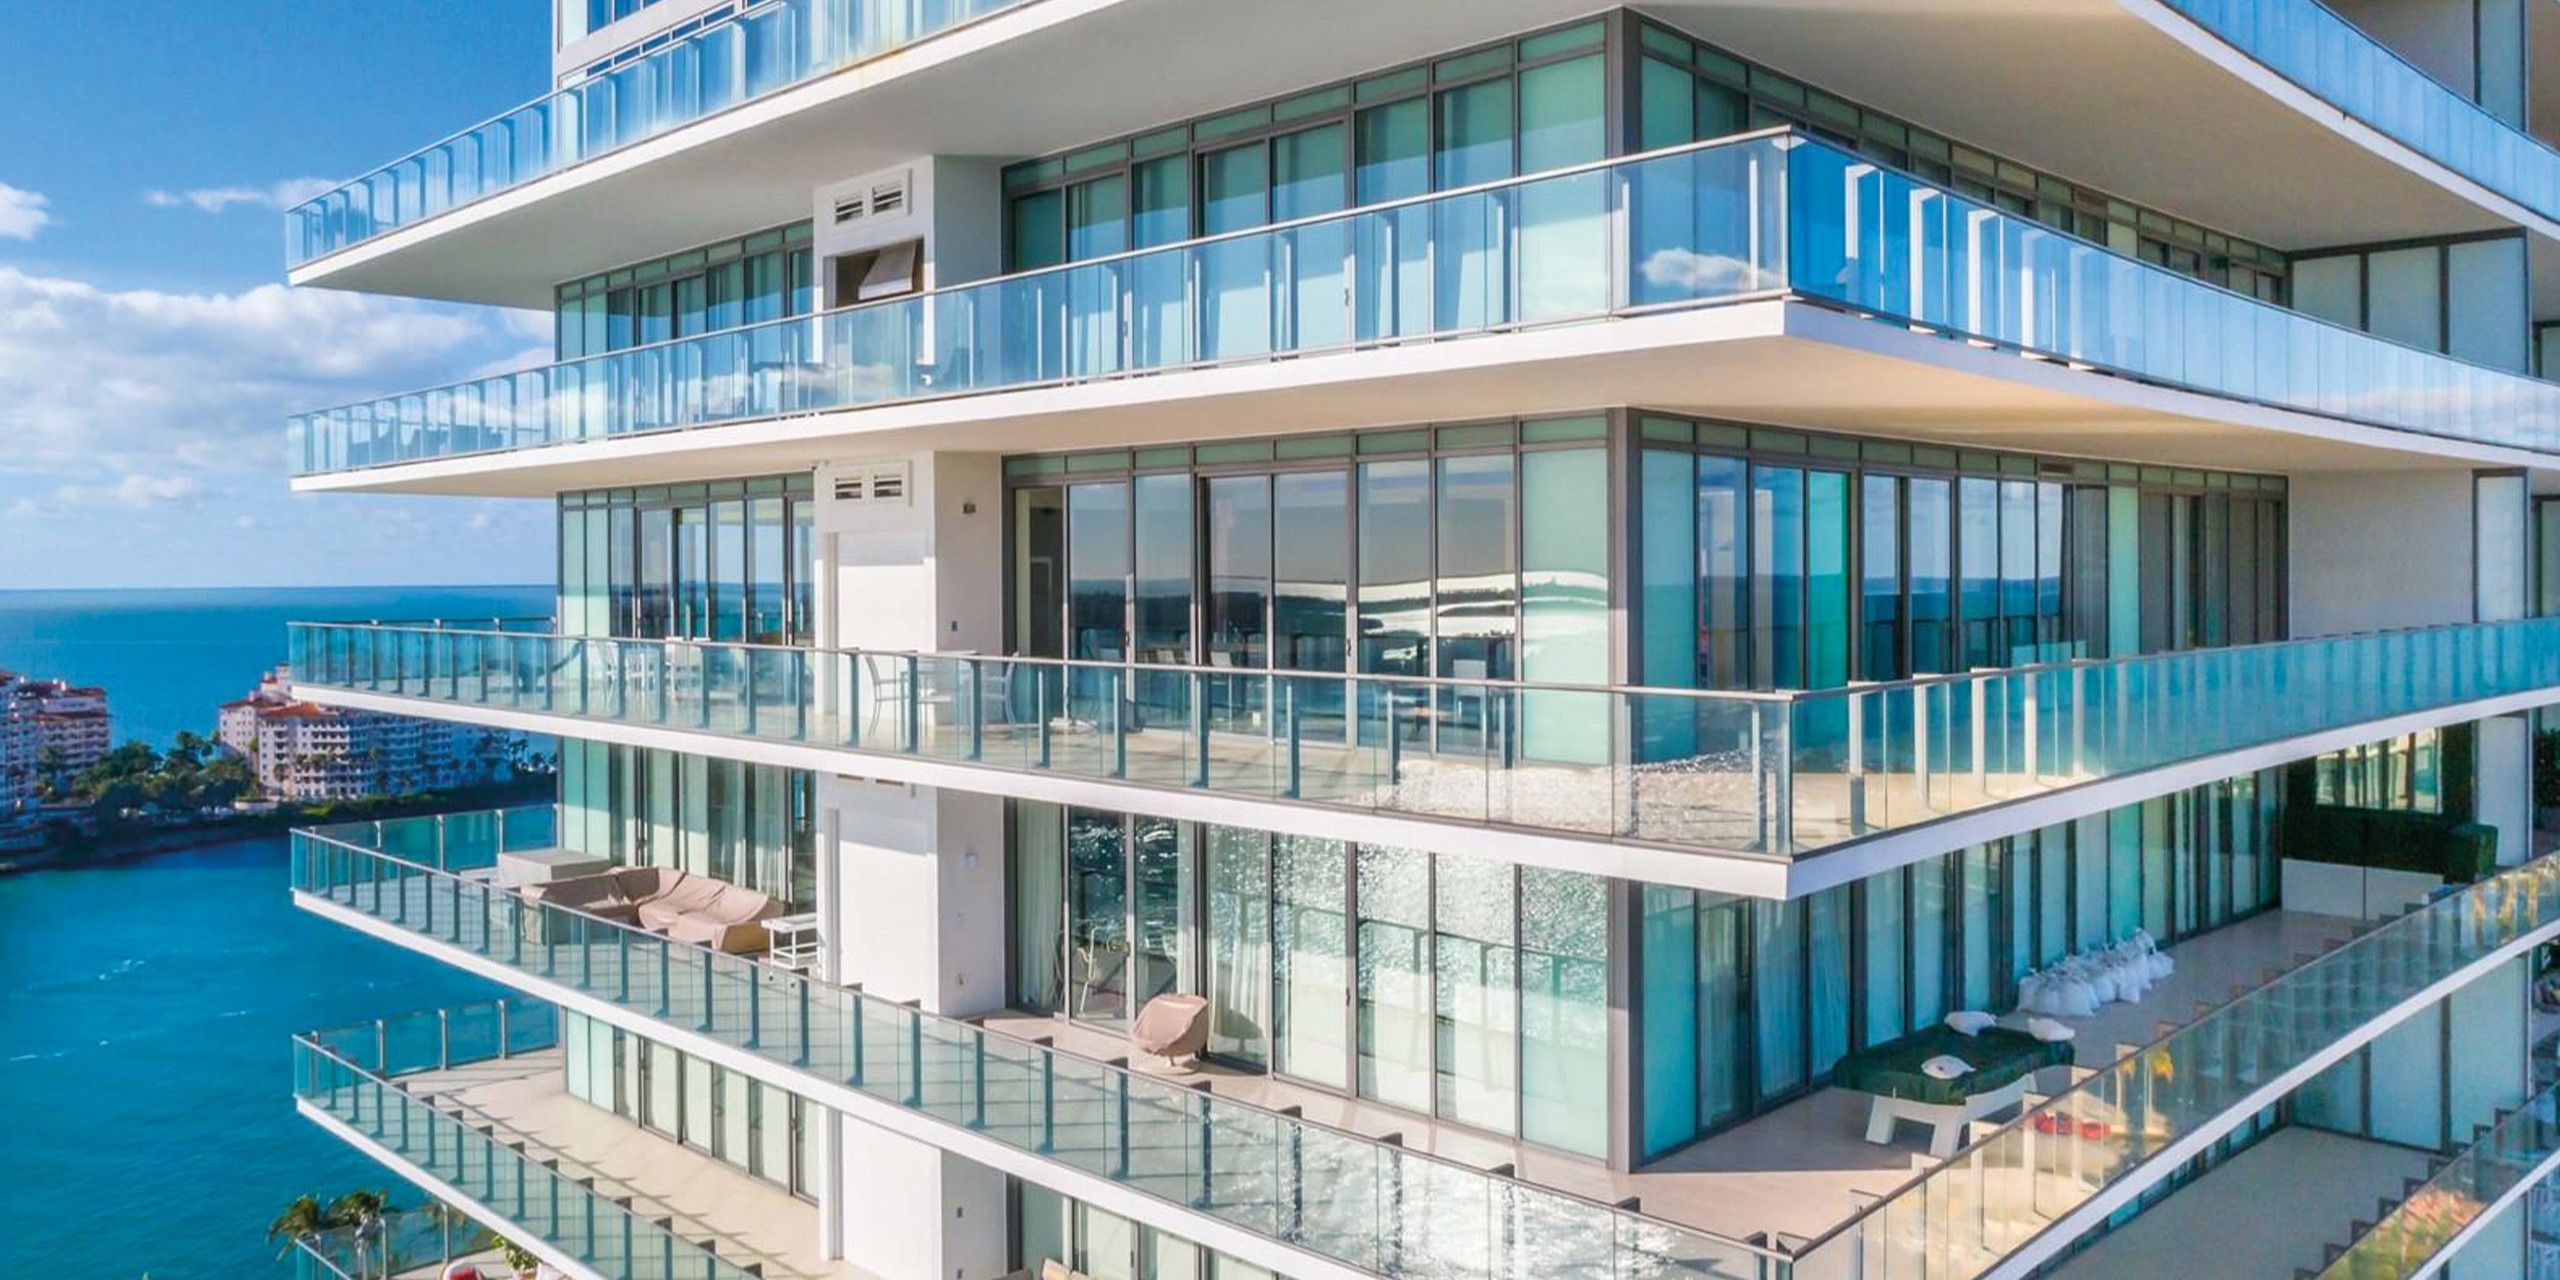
{"x":140,"y":383}
{"x":281,"y":195}
{"x":22,"y":213}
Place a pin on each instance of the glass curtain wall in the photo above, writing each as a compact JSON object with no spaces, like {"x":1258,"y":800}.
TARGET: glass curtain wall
{"x":1757,"y":549}
{"x":1474,"y":552}
{"x":1747,"y":1004}
{"x":728,"y":560}
{"x":1686,"y":92}
{"x":1467,"y":989}
{"x":1522,"y":106}
{"x":754,"y":1127}
{"x":2467,"y":298}
{"x":746,"y":824}
{"x":749,"y":280}
{"x":1091,"y":1242}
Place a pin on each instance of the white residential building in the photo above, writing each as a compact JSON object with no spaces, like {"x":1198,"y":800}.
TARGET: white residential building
{"x":48,"y":722}
{"x":1546,"y":594}
{"x":302,"y":751}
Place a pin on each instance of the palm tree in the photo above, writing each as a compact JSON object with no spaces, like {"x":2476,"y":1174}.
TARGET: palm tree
{"x":302,"y":1219}
{"x":365,"y":1211}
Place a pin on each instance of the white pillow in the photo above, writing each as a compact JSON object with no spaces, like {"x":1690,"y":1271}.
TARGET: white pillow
{"x":1946,"y":1066}
{"x":2049,"y":1031}
{"x":1969,"y":1022}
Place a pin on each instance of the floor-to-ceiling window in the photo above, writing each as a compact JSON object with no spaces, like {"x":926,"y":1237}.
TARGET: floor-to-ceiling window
{"x":1473,"y":552}
{"x":755,"y":1127}
{"x":1101,"y":1245}
{"x":752,"y":825}
{"x":1526,"y":105}
{"x":1458,"y":987}
{"x":1747,"y":1003}
{"x":765,"y":276}
{"x":731,"y":560}
{"x":1773,"y":559}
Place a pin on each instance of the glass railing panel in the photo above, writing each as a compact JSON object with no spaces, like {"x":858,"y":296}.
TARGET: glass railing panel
{"x":1959,"y":1219}
{"x":2517,"y":1151}
{"x":557,"y":1206}
{"x":1785,"y":773}
{"x":772,"y":46}
{"x":1752,"y":216}
{"x":2305,"y":42}
{"x":1371,"y":1205}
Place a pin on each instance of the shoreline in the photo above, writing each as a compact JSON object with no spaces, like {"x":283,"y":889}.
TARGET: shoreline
{"x":126,"y":848}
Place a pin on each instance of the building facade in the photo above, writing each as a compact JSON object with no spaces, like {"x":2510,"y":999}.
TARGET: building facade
{"x":50,"y":730}
{"x":1339,"y":640}
{"x":302,"y":752}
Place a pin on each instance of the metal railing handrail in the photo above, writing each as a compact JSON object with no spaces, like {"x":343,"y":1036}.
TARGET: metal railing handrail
{"x":1855,"y":688}
{"x":600,"y":1185}
{"x":746,"y":13}
{"x":2535,"y":1120}
{"x":2544,"y":867}
{"x":1788,"y":136}
{"x":690,"y":1229}
{"x":1274,"y":1115}
{"x":2388,"y":51}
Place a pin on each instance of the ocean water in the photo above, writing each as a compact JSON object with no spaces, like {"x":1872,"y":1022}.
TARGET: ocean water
{"x":168,"y":658}
{"x":146,"y":1016}
{"x":146,"y":1009}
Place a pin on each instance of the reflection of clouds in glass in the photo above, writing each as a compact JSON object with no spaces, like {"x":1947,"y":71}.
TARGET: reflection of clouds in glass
{"x":1699,"y":273}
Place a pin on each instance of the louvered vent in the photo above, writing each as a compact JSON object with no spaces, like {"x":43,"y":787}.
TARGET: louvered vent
{"x":883,"y":199}
{"x":875,"y":484}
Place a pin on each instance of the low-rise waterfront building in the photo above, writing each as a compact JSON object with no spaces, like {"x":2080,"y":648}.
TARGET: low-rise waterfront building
{"x":304,"y":752}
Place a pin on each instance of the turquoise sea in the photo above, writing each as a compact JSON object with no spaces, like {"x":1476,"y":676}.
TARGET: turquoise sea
{"x":168,"y":658}
{"x":146,"y":1120}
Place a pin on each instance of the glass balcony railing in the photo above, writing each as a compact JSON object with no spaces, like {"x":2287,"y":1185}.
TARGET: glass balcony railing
{"x":409,"y":1243}
{"x":1757,"y":216}
{"x":2303,"y":41}
{"x":555,"y":1205}
{"x":772,"y":46}
{"x":1371,"y":1205}
{"x":1960,"y":1218}
{"x":2516,"y":1153}
{"x":1784,"y":773}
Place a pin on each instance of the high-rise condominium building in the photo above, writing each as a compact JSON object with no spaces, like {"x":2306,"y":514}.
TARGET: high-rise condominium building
{"x":1476,"y":638}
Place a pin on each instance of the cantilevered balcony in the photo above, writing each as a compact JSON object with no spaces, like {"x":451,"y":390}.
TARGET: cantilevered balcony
{"x":1215,"y":1147}
{"x":771,"y":46}
{"x":495,"y":1070}
{"x":2337,"y":62}
{"x":561,"y":1213}
{"x":1266,"y":1186}
{"x":1774,"y":218}
{"x":2435,"y":1218}
{"x":2015,"y":1198}
{"x":1663,"y":774}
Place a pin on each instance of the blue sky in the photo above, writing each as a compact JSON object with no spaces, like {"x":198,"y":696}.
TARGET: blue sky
{"x":149,"y":350}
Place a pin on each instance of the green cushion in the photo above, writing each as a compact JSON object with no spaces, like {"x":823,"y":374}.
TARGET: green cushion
{"x":1999,"y":1057}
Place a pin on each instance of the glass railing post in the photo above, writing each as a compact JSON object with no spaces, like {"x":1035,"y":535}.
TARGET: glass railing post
{"x":1289,"y":687}
{"x":1199,"y":722}
{"x":978,"y":1081}
{"x":915,"y":1057}
{"x":1048,"y":1102}
{"x":1115,"y":687}
{"x":913,"y":711}
{"x":970,"y":679}
{"x":1040,"y":689}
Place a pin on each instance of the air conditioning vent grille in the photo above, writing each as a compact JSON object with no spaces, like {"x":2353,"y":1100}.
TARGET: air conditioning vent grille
{"x":873,"y":484}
